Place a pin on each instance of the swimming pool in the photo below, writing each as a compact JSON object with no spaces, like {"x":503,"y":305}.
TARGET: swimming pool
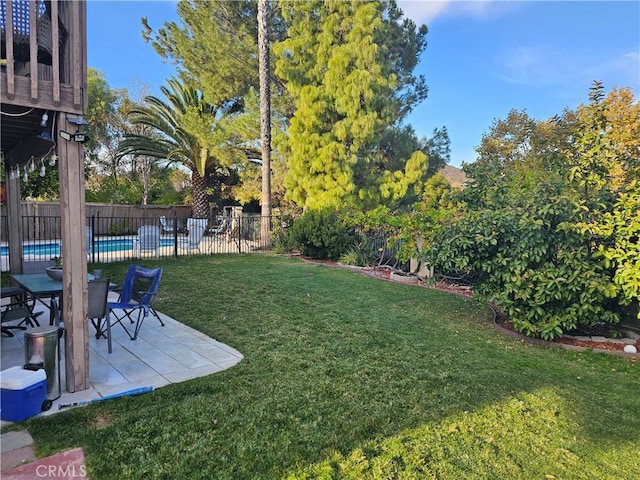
{"x":52,"y":249}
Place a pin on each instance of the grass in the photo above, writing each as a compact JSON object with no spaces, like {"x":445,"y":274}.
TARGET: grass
{"x":347,"y":376}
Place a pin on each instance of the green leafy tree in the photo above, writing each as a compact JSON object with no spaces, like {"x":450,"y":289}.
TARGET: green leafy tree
{"x":349,"y":69}
{"x":214,"y":47}
{"x":107,"y":121}
{"x":548,"y":224}
{"x":204,"y":138}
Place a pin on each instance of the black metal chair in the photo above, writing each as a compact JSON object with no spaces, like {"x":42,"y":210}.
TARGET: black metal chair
{"x":18,"y":309}
{"x":97,"y":296}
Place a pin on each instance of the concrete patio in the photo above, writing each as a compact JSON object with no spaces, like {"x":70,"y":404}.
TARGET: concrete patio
{"x":159,"y":356}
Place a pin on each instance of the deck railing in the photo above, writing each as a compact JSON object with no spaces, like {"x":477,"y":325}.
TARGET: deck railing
{"x":43,"y":45}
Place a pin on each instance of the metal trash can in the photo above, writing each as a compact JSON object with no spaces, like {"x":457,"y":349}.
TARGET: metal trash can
{"x":42,"y":350}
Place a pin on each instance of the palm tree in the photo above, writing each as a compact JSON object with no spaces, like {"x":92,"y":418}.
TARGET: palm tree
{"x":202,"y":137}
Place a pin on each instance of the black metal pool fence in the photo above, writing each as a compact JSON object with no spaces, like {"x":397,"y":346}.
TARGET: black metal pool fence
{"x":115,"y":238}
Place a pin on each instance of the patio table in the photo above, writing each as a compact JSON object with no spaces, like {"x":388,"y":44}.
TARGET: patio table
{"x":42,"y":286}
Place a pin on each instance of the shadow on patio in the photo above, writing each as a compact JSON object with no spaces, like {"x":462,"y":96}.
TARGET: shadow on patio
{"x":159,"y":356}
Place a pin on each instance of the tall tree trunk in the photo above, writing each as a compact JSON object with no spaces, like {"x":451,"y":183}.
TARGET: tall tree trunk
{"x":265,"y":113}
{"x":200,"y":199}
{"x":145,"y":171}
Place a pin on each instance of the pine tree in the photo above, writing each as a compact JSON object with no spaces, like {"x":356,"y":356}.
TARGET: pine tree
{"x":348,"y":67}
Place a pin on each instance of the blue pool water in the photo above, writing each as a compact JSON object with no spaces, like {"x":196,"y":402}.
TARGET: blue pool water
{"x":52,"y":249}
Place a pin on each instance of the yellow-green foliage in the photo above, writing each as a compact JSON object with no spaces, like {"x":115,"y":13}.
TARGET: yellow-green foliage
{"x":549,"y":227}
{"x":336,"y":66}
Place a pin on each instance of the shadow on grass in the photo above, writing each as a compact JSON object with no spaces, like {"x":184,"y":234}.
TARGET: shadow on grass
{"x":345,"y":375}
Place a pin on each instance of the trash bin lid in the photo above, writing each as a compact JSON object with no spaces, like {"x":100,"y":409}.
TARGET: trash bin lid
{"x":43,"y":331}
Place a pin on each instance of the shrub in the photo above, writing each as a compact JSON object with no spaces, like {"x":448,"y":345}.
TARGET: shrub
{"x":322,"y":234}
{"x":281,"y":239}
{"x":362,"y":254}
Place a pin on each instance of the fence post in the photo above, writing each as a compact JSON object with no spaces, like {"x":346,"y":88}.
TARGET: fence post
{"x":175,"y":234}
{"x":93,"y":234}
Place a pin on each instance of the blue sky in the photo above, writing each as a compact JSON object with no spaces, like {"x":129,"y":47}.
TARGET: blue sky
{"x":483,"y":58}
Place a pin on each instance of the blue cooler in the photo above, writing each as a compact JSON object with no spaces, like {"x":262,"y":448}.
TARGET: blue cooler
{"x":22,"y":393}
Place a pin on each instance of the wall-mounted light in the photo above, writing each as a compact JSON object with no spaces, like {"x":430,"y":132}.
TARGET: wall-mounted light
{"x":79,"y":121}
{"x":78,"y":136}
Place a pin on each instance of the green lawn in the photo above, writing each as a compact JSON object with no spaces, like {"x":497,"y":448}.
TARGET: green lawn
{"x":347,"y":376}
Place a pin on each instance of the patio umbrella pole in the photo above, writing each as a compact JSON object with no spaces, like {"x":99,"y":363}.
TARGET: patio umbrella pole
{"x":128,"y":393}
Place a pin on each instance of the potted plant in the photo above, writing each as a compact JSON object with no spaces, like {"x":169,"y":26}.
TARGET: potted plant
{"x":55,"y":272}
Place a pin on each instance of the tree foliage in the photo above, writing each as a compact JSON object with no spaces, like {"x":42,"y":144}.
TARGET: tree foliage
{"x":206,"y":139}
{"x":548,"y":227}
{"x":349,"y":69}
{"x":214,"y":47}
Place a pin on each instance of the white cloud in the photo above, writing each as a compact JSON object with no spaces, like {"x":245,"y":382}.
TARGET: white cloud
{"x":425,"y":11}
{"x":625,"y":67}
{"x":421,"y":11}
{"x":538,"y":66}
{"x":531,"y":65}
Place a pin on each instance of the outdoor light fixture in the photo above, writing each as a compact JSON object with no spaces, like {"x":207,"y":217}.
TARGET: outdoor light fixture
{"x":79,"y":121}
{"x":44,"y":134}
{"x":52,"y":160}
{"x":79,"y":136}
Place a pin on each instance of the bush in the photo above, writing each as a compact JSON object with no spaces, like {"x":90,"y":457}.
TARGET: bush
{"x":281,"y":238}
{"x":322,"y":234}
{"x":362,"y":254}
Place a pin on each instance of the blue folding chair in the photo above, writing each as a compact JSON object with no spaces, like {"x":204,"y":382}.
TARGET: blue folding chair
{"x":136,"y":296}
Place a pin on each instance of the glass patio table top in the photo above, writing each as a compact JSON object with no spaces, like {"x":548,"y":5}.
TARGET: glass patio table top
{"x":41,"y":284}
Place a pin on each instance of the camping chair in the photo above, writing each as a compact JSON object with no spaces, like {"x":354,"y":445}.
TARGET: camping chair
{"x":166,"y":228}
{"x":192,"y":242}
{"x":136,"y":296}
{"x":97,"y":293}
{"x":18,"y":308}
{"x":148,"y":240}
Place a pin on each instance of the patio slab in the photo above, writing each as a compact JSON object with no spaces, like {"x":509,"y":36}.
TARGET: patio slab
{"x":158,"y":357}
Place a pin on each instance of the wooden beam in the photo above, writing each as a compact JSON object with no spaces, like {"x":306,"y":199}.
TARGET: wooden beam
{"x":78,"y":46}
{"x":22,"y":95}
{"x":14,"y":221}
{"x":33,"y":48}
{"x":55,"y":50}
{"x":73,"y":251}
{"x":9,"y":41}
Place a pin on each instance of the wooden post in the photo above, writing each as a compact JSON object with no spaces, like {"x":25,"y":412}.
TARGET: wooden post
{"x":14,"y":221}
{"x":74,"y":259}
